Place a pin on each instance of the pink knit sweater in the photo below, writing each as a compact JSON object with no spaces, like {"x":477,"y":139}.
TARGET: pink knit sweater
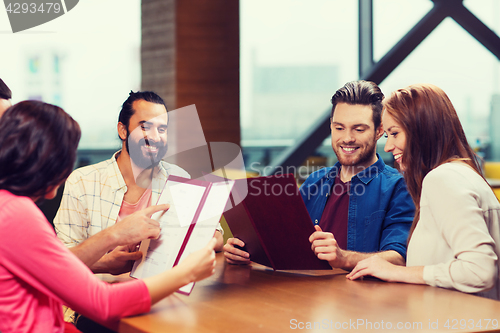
{"x":38,"y":274}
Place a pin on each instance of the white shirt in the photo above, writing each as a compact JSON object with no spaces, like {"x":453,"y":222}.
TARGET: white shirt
{"x":457,"y":238}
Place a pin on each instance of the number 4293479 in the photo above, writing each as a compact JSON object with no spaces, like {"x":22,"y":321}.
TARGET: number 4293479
{"x":24,"y":8}
{"x":455,"y":324}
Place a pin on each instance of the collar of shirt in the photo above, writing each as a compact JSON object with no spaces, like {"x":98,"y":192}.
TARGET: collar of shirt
{"x":118,"y":183}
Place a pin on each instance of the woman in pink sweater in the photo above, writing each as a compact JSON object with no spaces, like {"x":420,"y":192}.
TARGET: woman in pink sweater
{"x":38,"y":274}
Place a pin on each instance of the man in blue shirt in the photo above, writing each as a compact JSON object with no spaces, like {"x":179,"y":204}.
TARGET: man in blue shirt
{"x":360,"y":206}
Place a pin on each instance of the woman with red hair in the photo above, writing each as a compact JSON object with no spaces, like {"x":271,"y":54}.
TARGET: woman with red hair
{"x":454,"y":241}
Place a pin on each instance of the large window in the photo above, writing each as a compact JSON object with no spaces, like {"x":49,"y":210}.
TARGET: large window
{"x":85,"y":61}
{"x":449,"y":58}
{"x":295,"y":54}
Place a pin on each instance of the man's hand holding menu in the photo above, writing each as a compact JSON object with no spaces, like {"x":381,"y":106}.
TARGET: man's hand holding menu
{"x":234,"y":253}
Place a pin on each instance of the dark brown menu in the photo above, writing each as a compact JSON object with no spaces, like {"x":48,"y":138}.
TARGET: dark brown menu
{"x":272,"y":220}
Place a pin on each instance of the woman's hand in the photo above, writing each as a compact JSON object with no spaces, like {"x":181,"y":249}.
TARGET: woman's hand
{"x":377,"y":267}
{"x":200,"y":264}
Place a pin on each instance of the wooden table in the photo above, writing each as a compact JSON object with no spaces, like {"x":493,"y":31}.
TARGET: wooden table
{"x":239,"y":299}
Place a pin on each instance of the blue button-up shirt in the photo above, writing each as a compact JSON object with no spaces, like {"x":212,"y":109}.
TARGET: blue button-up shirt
{"x":381,"y":210}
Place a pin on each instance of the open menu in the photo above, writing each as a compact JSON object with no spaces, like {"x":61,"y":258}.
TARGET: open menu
{"x":196,"y":207}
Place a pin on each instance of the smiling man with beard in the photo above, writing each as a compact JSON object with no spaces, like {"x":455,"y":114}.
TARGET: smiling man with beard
{"x":360,"y":207}
{"x":148,"y":143}
{"x":100,"y":197}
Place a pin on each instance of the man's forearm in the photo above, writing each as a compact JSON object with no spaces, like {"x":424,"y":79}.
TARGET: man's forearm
{"x":352,"y":258}
{"x":92,"y":249}
{"x":100,"y":266}
{"x":92,"y":252}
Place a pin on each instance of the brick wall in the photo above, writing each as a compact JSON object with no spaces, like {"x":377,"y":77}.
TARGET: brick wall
{"x":190,"y":55}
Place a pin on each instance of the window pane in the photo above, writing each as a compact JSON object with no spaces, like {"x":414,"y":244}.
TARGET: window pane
{"x":85,"y":61}
{"x":456,"y":62}
{"x":392,"y":19}
{"x":294,"y":55}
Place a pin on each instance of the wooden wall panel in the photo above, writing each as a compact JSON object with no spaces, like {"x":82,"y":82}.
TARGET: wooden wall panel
{"x":190,"y":55}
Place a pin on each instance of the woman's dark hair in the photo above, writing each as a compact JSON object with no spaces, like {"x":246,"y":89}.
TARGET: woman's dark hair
{"x":434,"y":135}
{"x":38,"y":143}
{"x":361,"y":93}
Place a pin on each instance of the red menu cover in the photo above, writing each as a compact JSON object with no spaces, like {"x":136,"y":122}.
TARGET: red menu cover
{"x":187,"y":226}
{"x":273,"y":222}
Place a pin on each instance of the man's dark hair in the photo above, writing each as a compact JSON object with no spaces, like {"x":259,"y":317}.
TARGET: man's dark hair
{"x":127,"y":111}
{"x":361,"y":93}
{"x":5,"y":92}
{"x":38,"y":144}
